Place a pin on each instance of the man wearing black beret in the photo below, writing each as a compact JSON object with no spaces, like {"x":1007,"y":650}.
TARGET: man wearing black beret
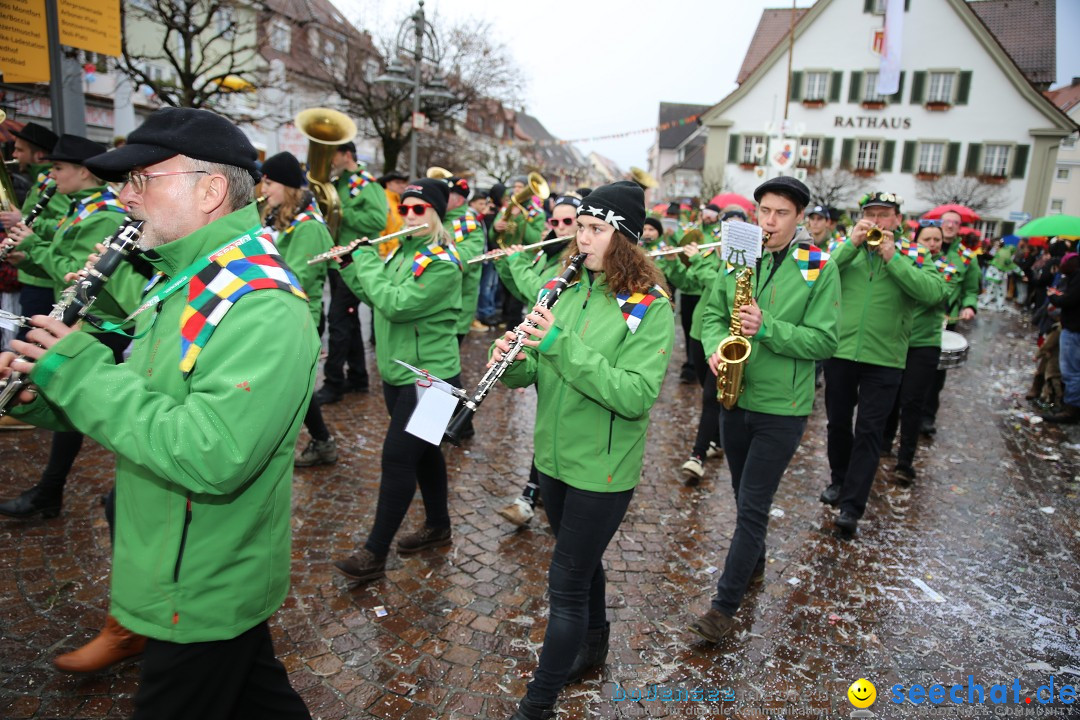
{"x":203,"y":419}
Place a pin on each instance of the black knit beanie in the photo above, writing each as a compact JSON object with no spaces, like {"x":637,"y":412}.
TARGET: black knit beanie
{"x":430,"y":190}
{"x":284,"y":168}
{"x":620,"y":204}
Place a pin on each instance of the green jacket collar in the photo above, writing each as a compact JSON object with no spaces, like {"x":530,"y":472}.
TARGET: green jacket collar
{"x":177,"y":255}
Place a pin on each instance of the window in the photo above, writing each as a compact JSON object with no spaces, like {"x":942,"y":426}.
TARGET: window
{"x":931,"y":157}
{"x":988,"y":228}
{"x":814,"y":144}
{"x":876,"y":7}
{"x":996,"y":160}
{"x":1062,"y":174}
{"x":329,"y":54}
{"x":1070,"y":141}
{"x":280,"y":35}
{"x":817,"y":85}
{"x":866,"y":157}
{"x":941,"y":87}
{"x":870,"y":93}
{"x":1057,"y":206}
{"x":751,"y":144}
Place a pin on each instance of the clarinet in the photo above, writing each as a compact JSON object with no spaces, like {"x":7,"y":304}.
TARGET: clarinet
{"x":77,"y":298}
{"x":43,"y":200}
{"x":470,"y":406}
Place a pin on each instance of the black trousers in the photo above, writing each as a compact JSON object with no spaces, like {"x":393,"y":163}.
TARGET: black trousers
{"x":407,"y":461}
{"x":920,"y":372}
{"x":346,"y":341}
{"x":709,"y":424}
{"x":232,"y":679}
{"x":687,"y":303}
{"x":854,"y":451}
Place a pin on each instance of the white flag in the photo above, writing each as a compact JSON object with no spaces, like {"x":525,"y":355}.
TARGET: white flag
{"x":888,"y":79}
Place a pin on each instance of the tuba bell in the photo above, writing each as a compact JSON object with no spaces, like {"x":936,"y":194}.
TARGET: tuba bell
{"x":437,"y":173}
{"x":643,"y":178}
{"x":325,"y":129}
{"x":536,"y":186}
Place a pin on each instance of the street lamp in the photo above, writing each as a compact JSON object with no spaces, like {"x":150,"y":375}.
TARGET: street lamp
{"x":425,"y":49}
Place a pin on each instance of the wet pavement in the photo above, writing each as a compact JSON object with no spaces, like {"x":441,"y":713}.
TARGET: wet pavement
{"x":972,"y":572}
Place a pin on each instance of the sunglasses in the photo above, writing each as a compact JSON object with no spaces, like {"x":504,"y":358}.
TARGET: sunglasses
{"x":565,"y":221}
{"x":417,"y":208}
{"x":929,"y":223}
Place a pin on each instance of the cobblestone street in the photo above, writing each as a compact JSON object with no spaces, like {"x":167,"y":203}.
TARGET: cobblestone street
{"x":971,"y":572}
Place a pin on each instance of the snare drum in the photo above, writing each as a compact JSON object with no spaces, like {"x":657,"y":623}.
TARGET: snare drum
{"x":954,"y":350}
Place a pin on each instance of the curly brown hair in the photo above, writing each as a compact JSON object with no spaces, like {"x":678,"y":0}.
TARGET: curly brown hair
{"x":287,"y":210}
{"x":627,"y":267}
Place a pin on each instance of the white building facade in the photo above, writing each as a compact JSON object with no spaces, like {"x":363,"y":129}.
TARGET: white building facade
{"x":964,"y":109}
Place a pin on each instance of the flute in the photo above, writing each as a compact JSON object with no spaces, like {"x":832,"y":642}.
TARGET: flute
{"x":340,"y":252}
{"x":503,"y":252}
{"x":43,"y":200}
{"x":673,"y":250}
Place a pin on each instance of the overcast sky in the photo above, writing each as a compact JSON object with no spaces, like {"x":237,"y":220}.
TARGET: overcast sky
{"x":631,"y":56}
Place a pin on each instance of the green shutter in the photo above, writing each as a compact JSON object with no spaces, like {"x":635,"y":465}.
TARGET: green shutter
{"x":868,"y":6}
{"x":898,"y":96}
{"x":835,"y":85}
{"x":825,"y":155}
{"x":963,"y":88}
{"x":907,"y":5}
{"x":887,"y":156}
{"x":1007,"y":228}
{"x":855,"y":91}
{"x":1019,"y":167}
{"x":734,"y":146}
{"x":796,"y":85}
{"x":847,"y":151}
{"x":918,"y":87}
{"x":907,"y":160}
{"x":952,"y":158}
{"x":973,"y":157}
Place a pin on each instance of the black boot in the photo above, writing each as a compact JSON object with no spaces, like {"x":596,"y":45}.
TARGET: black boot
{"x":529,"y":711}
{"x":593,"y":653}
{"x":37,"y":500}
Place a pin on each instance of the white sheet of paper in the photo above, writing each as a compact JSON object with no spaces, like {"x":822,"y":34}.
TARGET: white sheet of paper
{"x":742,"y":243}
{"x":8,"y":324}
{"x":434,"y":408}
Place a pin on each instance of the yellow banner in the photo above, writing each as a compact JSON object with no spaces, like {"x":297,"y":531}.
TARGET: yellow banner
{"x":24,"y":47}
{"x":92,"y":25}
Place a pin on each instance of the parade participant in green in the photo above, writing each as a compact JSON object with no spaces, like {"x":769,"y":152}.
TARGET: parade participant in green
{"x":467,"y":234}
{"x":689,"y":298}
{"x":94,"y":213}
{"x":32,"y":144}
{"x":416,"y":297}
{"x":364,"y":213}
{"x":293,"y":219}
{"x":881,"y":289}
{"x":997,"y":276}
{"x":924,"y":351}
{"x":204,"y":427}
{"x":791,"y":321}
{"x":598,"y":359}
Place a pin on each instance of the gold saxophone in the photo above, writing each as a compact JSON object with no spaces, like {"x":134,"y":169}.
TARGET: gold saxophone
{"x":734,"y":350}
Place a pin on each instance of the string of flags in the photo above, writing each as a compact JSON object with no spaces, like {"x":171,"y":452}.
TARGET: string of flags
{"x":688,"y":120}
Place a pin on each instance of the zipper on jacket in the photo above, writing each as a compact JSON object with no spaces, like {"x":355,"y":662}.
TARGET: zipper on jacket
{"x":611,"y":430}
{"x":866,"y":305}
{"x":416,"y":330}
{"x":183,"y":541}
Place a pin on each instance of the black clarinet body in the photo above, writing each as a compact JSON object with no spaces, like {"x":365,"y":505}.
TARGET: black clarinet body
{"x":39,"y":206}
{"x":487,"y":382}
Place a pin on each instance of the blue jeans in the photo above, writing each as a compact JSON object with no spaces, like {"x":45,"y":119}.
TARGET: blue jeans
{"x":758,"y":447}
{"x":489,"y":291}
{"x":584,"y":523}
{"x":1069,"y":359}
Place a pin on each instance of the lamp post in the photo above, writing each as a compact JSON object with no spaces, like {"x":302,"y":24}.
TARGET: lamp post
{"x":425,"y":48}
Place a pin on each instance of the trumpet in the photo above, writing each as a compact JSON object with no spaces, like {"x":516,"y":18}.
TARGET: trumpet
{"x":873,"y":238}
{"x":503,"y":252}
{"x":679,"y":249}
{"x":341,"y":252}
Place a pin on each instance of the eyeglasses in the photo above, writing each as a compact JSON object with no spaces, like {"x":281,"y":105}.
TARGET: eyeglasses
{"x":417,"y":208}
{"x":565,"y":221}
{"x":929,"y":223}
{"x":138,"y":180}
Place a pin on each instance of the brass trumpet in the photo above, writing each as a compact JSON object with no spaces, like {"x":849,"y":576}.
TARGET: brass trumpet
{"x":343,"y":251}
{"x":873,"y":238}
{"x":537,"y":186}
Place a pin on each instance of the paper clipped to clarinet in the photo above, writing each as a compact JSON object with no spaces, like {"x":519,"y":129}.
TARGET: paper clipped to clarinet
{"x":436,"y":401}
{"x":742,"y":243}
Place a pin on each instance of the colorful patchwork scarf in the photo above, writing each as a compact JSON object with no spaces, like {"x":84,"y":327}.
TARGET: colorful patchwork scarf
{"x":425,"y":256}
{"x":311,"y":212}
{"x":464,"y":225}
{"x":810,"y":259}
{"x":634,"y":305}
{"x":104,"y":200}
{"x":358,"y":180}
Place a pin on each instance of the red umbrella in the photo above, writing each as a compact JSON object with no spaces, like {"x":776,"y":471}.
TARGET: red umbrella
{"x":724,"y":199}
{"x":661,"y":208}
{"x":966,"y":214}
{"x":1036,"y":242}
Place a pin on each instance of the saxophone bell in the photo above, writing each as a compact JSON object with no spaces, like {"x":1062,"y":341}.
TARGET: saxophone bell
{"x":734,"y":350}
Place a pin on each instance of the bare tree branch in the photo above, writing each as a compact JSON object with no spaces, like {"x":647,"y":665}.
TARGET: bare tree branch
{"x":968,"y":191}
{"x":833,"y":187}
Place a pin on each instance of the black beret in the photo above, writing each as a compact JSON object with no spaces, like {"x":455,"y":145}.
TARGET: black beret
{"x":673,"y":210}
{"x":432,"y":191}
{"x":654,"y":223}
{"x":391,"y":176}
{"x":37,"y":135}
{"x":620,"y":204}
{"x":788,"y":187}
{"x":74,"y":149}
{"x":168,"y":132}
{"x":284,"y":168}
{"x":714,"y":207}
{"x":584,"y":191}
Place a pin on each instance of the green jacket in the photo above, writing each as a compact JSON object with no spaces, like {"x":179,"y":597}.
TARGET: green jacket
{"x":1003,"y":259}
{"x":696,"y":278}
{"x":44,"y":226}
{"x":927,"y":319}
{"x":800,"y":324}
{"x":524,"y":274}
{"x":710,"y":233}
{"x":415,"y":316}
{"x":528,"y":230}
{"x":299,"y":243}
{"x":72,"y":242}
{"x":878,"y":300}
{"x":364,"y":211}
{"x":469,"y":246}
{"x":595,"y":383}
{"x":203,"y":461}
{"x":965,"y":290}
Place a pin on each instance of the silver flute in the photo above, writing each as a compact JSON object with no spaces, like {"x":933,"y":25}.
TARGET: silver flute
{"x":341,"y":252}
{"x":679,"y":249}
{"x":503,"y":252}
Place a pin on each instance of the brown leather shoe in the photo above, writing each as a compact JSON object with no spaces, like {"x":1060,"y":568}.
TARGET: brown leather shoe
{"x":713,"y":626}
{"x":113,"y":644}
{"x":425,"y":537}
{"x":363,"y":566}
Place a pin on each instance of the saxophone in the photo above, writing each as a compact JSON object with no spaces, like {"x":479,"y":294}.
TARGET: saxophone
{"x":734,"y":350}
